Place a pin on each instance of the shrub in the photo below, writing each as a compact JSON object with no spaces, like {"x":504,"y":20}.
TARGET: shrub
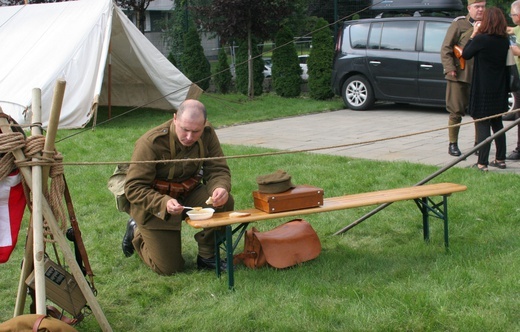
{"x":223,"y":75}
{"x":320,"y":62}
{"x":194,"y":63}
{"x":286,"y":71}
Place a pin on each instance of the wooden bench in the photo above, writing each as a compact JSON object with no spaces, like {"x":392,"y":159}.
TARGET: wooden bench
{"x":420,"y":194}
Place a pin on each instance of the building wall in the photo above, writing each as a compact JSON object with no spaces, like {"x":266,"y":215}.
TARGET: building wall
{"x":159,"y":10}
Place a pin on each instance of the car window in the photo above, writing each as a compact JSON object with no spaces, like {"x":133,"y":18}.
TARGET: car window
{"x":434,"y":33}
{"x":375,"y":36}
{"x":358,"y":35}
{"x":399,"y":36}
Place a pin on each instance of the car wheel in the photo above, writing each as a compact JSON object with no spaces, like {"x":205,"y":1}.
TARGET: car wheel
{"x":357,"y":93}
{"x":513,"y":102}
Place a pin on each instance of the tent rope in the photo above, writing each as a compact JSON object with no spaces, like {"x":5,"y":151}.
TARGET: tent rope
{"x":283,"y":152}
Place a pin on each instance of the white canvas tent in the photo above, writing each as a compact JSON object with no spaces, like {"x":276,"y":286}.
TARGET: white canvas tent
{"x":81,"y":42}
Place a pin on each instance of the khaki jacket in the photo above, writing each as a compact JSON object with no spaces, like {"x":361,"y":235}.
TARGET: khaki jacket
{"x":458,"y":34}
{"x":147,"y":206}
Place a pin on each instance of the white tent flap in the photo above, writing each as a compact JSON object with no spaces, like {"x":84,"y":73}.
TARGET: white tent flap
{"x":41,"y":43}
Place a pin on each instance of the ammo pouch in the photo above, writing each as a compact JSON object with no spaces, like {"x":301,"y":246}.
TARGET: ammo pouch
{"x":176,"y":189}
{"x":287,"y":245}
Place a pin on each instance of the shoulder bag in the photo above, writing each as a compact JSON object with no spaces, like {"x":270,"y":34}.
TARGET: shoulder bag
{"x":289,"y":244}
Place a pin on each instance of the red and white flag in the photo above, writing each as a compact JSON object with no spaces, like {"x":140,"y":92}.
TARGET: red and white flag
{"x":12,"y":206}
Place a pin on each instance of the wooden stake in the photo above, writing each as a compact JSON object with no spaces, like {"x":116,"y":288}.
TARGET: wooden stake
{"x":37,"y":214}
{"x":61,"y":240}
{"x":52,"y":128}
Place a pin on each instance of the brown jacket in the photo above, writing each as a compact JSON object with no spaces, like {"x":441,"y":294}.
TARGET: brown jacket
{"x":147,"y":206}
{"x":458,"y":34}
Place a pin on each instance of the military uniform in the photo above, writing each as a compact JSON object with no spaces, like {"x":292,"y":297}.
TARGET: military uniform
{"x":157,"y":239}
{"x":457,"y":88}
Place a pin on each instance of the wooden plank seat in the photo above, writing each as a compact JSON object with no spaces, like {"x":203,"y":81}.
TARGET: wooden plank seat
{"x":420,"y":194}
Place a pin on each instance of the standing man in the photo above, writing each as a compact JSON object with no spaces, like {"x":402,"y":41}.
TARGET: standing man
{"x":459,"y":77}
{"x":158,"y":192}
{"x":515,"y":16}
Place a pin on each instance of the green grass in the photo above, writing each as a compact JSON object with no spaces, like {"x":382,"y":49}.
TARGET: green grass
{"x":379,"y":276}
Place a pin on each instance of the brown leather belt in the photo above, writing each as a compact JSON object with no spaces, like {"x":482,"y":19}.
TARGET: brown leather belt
{"x":176,"y":189}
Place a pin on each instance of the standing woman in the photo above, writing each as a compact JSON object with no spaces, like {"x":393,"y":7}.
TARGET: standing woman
{"x":488,"y":45}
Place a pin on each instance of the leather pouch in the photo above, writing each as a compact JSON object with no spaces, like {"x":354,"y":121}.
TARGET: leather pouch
{"x":289,"y":244}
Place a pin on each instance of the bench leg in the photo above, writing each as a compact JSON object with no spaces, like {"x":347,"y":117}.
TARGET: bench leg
{"x":439,"y":210}
{"x":229,"y":257}
{"x":426,"y":219}
{"x":224,"y":238}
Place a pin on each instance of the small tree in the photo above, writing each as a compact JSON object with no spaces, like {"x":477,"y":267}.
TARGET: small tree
{"x":286,"y":71}
{"x":242,"y":72}
{"x":171,"y":58}
{"x":139,"y":7}
{"x":194,"y":63}
{"x":320,"y":62}
{"x":223,"y":75}
{"x":177,"y":27}
{"x":244,"y":20}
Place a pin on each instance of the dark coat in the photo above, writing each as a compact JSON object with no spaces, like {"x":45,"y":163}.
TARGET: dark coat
{"x":489,"y":90}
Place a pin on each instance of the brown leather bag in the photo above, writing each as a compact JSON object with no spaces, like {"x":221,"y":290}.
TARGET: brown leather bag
{"x":35,"y":323}
{"x":287,"y":245}
{"x":457,"y":50}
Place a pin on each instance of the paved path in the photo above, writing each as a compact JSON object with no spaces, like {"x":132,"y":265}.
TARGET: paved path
{"x":348,"y":127}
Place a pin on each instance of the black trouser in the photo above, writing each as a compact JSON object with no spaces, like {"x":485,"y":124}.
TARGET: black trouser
{"x":484,"y":131}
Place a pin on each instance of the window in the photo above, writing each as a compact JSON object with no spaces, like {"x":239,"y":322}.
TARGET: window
{"x":375,"y":36}
{"x":434,"y":33}
{"x":395,"y":36}
{"x":358,"y":35}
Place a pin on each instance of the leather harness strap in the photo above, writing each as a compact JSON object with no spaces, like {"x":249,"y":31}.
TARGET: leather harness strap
{"x":78,"y":241}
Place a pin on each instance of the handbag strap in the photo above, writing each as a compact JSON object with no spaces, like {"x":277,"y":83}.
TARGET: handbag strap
{"x":36,"y":325}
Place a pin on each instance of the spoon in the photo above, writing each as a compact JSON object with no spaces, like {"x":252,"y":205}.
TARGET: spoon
{"x":196,"y":208}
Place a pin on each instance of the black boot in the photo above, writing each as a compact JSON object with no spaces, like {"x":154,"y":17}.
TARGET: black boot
{"x":126,"y":245}
{"x":453,"y":150}
{"x":209,"y":263}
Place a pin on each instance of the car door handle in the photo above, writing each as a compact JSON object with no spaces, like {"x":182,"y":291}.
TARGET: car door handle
{"x":427,"y":66}
{"x":377,"y":63}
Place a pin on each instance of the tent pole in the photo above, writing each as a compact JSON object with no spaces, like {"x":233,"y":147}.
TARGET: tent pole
{"x":433,"y":175}
{"x":110,"y":80}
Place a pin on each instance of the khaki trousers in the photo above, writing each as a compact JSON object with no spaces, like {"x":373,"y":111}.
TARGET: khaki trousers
{"x":161,"y":249}
{"x":457,"y":101}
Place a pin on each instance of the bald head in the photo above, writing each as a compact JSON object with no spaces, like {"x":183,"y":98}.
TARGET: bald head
{"x":192,"y":109}
{"x":515,"y":6}
{"x":189,"y":121}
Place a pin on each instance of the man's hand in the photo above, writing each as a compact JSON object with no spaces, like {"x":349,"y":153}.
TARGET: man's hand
{"x":173,"y":207}
{"x":220,"y":197}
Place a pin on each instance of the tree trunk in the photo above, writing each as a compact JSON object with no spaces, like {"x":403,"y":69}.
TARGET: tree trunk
{"x":250,"y":82}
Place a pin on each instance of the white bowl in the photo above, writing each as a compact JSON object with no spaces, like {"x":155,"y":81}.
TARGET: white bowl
{"x":201,"y":214}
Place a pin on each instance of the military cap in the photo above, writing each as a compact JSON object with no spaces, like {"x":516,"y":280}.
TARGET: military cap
{"x":470,"y":2}
{"x":273,"y":183}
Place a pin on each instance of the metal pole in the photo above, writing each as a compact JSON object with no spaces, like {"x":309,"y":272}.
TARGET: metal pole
{"x":435,"y":174}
